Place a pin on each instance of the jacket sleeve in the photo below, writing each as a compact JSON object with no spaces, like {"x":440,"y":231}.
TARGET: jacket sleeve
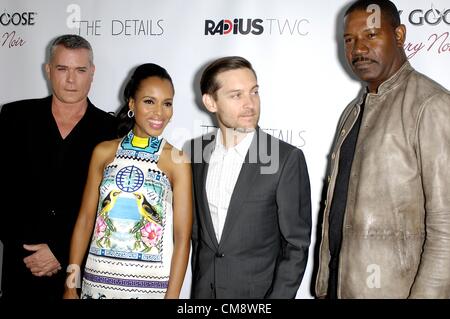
{"x":194,"y":235}
{"x":293,"y":198}
{"x":433,"y":151}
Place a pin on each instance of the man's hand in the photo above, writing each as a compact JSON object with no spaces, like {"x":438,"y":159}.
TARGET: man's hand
{"x":42,"y":262}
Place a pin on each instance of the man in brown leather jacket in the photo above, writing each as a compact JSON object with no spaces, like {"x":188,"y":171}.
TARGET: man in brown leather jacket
{"x":386,"y":230}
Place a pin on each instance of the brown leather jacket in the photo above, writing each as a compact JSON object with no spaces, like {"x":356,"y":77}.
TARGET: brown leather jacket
{"x":396,"y":230}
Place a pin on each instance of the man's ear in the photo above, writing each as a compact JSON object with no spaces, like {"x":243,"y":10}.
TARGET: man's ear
{"x":209,"y":103}
{"x":92,"y":71}
{"x":47,"y":70}
{"x":400,"y":35}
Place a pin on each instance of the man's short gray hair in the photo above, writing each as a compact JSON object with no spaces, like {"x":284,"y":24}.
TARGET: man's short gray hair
{"x":71,"y":41}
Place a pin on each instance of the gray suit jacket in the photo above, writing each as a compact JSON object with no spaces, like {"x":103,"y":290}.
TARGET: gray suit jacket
{"x":264,"y":245}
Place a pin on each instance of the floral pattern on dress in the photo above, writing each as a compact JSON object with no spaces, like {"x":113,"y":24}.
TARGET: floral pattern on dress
{"x":102,"y":232}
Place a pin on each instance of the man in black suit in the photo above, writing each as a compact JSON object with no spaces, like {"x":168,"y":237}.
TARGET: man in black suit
{"x":252,"y":222}
{"x":47,"y":145}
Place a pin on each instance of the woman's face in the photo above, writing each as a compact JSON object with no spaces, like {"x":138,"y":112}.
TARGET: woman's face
{"x":152,"y":106}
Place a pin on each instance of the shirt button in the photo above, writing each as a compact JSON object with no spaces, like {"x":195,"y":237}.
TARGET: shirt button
{"x":343,"y":132}
{"x":329,"y":178}
{"x":333,"y":156}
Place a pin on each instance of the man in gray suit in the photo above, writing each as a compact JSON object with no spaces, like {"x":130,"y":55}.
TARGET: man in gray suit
{"x":252,"y":221}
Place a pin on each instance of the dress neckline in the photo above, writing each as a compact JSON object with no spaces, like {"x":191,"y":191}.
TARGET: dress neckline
{"x":151,"y":144}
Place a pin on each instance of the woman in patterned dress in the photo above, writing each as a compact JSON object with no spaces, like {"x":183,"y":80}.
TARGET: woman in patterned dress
{"x":136,"y":214}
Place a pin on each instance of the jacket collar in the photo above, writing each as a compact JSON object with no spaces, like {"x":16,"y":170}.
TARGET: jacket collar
{"x":245,"y":179}
{"x":397,"y":78}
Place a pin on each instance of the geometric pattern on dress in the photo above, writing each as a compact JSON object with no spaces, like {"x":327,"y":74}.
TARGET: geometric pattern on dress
{"x":126,"y":282}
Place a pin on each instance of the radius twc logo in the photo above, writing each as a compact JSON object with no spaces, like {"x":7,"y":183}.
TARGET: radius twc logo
{"x":234,"y":26}
{"x":256,"y":27}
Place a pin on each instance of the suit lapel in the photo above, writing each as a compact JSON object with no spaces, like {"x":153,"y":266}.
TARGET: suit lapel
{"x":206,"y":215}
{"x":248,"y":173}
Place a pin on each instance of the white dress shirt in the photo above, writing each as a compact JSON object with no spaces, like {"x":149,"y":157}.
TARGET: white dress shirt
{"x":223,"y":171}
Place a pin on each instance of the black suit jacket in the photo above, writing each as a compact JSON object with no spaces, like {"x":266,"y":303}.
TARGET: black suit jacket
{"x":41,"y":189}
{"x":264,"y":245}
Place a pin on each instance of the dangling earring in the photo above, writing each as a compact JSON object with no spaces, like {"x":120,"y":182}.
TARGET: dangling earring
{"x":130,"y":114}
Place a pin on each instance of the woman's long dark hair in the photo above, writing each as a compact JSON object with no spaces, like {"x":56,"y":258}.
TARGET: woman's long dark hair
{"x":141,"y":73}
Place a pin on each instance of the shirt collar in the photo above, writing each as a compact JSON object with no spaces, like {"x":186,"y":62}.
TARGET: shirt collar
{"x":241,"y":148}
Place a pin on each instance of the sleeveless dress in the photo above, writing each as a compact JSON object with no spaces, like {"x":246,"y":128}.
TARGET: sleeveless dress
{"x":132,"y":243}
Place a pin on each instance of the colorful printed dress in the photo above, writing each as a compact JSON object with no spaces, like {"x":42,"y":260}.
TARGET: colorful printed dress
{"x":132,"y":244}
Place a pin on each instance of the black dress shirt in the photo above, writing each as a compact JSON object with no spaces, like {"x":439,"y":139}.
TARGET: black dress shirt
{"x":339,"y":202}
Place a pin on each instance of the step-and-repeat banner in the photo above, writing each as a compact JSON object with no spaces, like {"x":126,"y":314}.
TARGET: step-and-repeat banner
{"x":295,"y":47}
